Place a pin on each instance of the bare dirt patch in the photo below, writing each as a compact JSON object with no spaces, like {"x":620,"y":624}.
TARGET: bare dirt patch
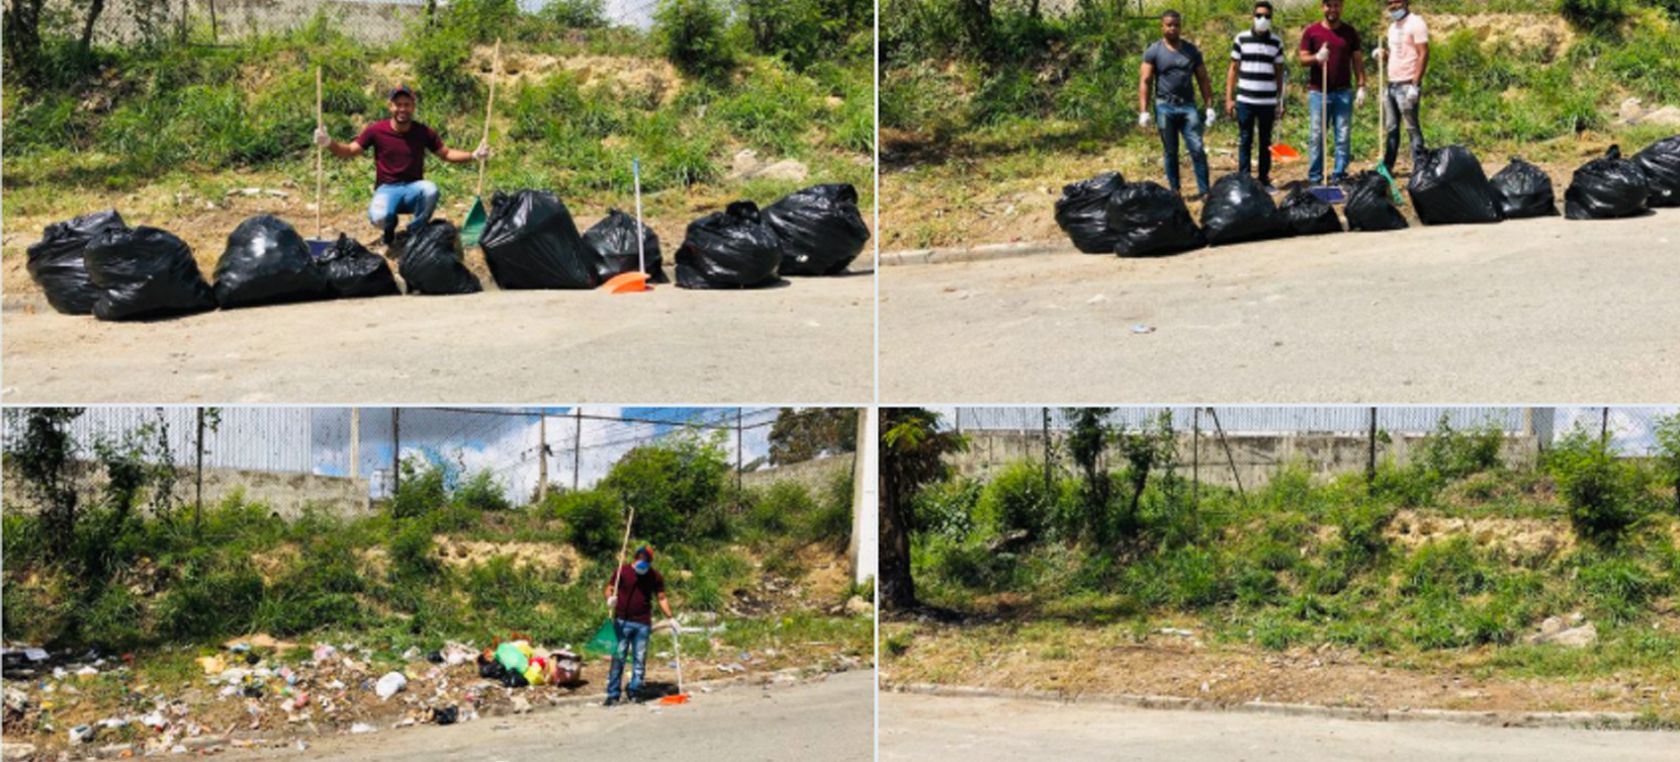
{"x":1530,"y":537}
{"x":460,"y":553}
{"x":1517,"y":31}
{"x":1095,"y":661}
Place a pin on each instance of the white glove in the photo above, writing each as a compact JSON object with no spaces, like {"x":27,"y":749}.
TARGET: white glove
{"x":1378,"y":52}
{"x":1323,"y":54}
{"x":1359,"y":98}
{"x":1143,"y":119}
{"x":482,"y":151}
{"x":1210,"y":115}
{"x":321,"y":138}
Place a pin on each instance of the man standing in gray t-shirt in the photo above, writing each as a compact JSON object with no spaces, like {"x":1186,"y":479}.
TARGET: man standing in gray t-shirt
{"x":1170,"y":64}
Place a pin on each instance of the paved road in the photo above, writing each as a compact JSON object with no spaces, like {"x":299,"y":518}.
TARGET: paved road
{"x":915,"y":727}
{"x":1529,"y":311}
{"x":809,"y":341}
{"x":828,"y":721}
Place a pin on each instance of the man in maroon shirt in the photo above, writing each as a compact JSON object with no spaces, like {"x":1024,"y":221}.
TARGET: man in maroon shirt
{"x":632,"y":601}
{"x":399,"y":154}
{"x":1332,"y":45}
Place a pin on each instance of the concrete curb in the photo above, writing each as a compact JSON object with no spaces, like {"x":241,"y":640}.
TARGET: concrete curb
{"x":1565,"y":720}
{"x":973,"y":253}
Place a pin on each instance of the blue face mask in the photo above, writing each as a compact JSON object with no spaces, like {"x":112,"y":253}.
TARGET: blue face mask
{"x":641,"y":567}
{"x":1398,"y":13}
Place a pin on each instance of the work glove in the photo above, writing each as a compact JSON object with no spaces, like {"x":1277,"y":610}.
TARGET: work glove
{"x":1323,"y":54}
{"x":482,"y":152}
{"x":1210,"y":115}
{"x":1143,"y":120}
{"x":1359,"y":98}
{"x":321,"y":138}
{"x":1379,"y":53}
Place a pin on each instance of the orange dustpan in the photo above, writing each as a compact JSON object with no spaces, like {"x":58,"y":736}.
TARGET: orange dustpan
{"x":681,"y":697}
{"x":1284,"y":153}
{"x":624,"y":283}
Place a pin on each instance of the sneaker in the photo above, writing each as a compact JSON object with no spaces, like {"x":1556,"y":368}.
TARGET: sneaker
{"x":1338,"y":180}
{"x":612,"y":701}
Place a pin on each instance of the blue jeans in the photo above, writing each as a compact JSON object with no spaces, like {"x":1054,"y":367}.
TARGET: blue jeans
{"x":1341,"y":121}
{"x":632,"y":643}
{"x":1249,"y":117}
{"x":418,"y":198}
{"x":1173,"y":121}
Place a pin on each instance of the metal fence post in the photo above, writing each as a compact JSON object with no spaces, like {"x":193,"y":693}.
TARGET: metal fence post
{"x":737,"y":456}
{"x":1048,"y":485}
{"x":355,"y":442}
{"x":1229,"y":458}
{"x":542,"y":456}
{"x":1604,"y":426}
{"x":1371,"y":454}
{"x":198,"y":493}
{"x":396,"y":451}
{"x":1195,"y":464}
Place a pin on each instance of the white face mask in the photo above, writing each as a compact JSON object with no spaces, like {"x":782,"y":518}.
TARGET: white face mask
{"x":1398,"y":13}
{"x":1262,"y":25}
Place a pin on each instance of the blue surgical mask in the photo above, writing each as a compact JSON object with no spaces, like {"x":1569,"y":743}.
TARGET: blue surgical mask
{"x":641,"y":567}
{"x":1398,"y":13}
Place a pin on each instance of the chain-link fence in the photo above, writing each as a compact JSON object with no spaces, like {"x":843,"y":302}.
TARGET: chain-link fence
{"x":1237,"y":445}
{"x":342,"y":459}
{"x":226,"y":22}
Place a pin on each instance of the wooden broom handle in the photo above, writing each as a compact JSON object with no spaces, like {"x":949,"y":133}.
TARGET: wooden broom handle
{"x":489,"y":106}
{"x":319,"y":123}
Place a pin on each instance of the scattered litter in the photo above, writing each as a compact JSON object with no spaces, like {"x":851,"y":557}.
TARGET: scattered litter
{"x":390,"y":684}
{"x":446,"y":716}
{"x":1140,"y":328}
{"x":361,"y":727}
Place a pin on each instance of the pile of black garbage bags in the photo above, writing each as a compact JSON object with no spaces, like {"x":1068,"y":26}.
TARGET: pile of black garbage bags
{"x":1107,"y":215}
{"x":96,"y":264}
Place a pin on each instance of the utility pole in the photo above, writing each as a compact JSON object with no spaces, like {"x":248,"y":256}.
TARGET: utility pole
{"x":198,"y":494}
{"x":542,"y":456}
{"x":737,"y":453}
{"x":577,"y":444}
{"x":1371,"y":454}
{"x":396,"y":451}
{"x":1195,"y":461}
{"x":355,"y":442}
{"x":1048,"y":487}
{"x":854,"y":547}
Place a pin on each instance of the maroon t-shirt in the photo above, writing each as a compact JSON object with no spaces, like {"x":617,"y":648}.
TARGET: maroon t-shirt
{"x":1343,"y":42}
{"x":399,"y":157}
{"x":636,"y":593}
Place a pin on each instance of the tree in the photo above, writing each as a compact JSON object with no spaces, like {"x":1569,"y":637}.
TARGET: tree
{"x":44,"y":456}
{"x":1150,"y":446}
{"x":800,"y":435}
{"x":23,"y":39}
{"x":912,"y":452}
{"x":1668,"y":453}
{"x":1087,"y":437}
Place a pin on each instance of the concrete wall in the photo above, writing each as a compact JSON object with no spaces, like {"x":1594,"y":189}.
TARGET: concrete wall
{"x":1257,"y":456}
{"x":285,"y":493}
{"x":815,"y":474}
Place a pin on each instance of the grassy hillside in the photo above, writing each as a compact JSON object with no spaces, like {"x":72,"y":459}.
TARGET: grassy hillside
{"x":165,"y":132}
{"x":451,"y":558}
{"x":975,"y":148}
{"x":1447,"y":566}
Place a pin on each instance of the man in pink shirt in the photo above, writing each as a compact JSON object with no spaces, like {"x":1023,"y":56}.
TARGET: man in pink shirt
{"x":1407,"y":57}
{"x":399,"y":156}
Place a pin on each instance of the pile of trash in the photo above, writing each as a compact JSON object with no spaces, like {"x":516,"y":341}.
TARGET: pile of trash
{"x":1106,"y":214}
{"x":248,"y":694}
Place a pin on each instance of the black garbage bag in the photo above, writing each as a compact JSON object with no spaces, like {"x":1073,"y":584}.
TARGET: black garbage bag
{"x":1082,"y":213}
{"x":614,"y":238}
{"x":430,"y":262}
{"x":530,"y":241}
{"x":1150,"y":220}
{"x":489,"y":668}
{"x":55,"y":261}
{"x":1368,"y":207}
{"x":1448,"y":187}
{"x":729,"y":249}
{"x":821,"y":229}
{"x":353,"y":271}
{"x":267,"y":262}
{"x":1607,"y":187}
{"x":1661,"y":162}
{"x":145,"y":273}
{"x":1307,"y":215}
{"x":1524,"y":191}
{"x":1239,"y":209}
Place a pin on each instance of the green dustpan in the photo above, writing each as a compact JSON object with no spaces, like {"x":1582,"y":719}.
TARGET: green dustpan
{"x":473,"y":228}
{"x":604,"y":642}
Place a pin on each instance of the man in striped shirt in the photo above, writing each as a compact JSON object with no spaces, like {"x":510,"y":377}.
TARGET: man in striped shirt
{"x":1254,"y":89}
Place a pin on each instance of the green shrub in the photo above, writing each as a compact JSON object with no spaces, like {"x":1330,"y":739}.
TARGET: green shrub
{"x":423,"y":489}
{"x":594,"y":521}
{"x":576,"y":14}
{"x":1620,"y":588}
{"x":693,"y":34}
{"x":210,"y":599}
{"x":480,"y":492}
{"x":784,"y":505}
{"x":1450,"y":454}
{"x":947,"y":508}
{"x":1594,"y":15}
{"x":412,"y":552}
{"x":676,"y":486}
{"x":1018,"y":499}
{"x":1605,"y":496}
